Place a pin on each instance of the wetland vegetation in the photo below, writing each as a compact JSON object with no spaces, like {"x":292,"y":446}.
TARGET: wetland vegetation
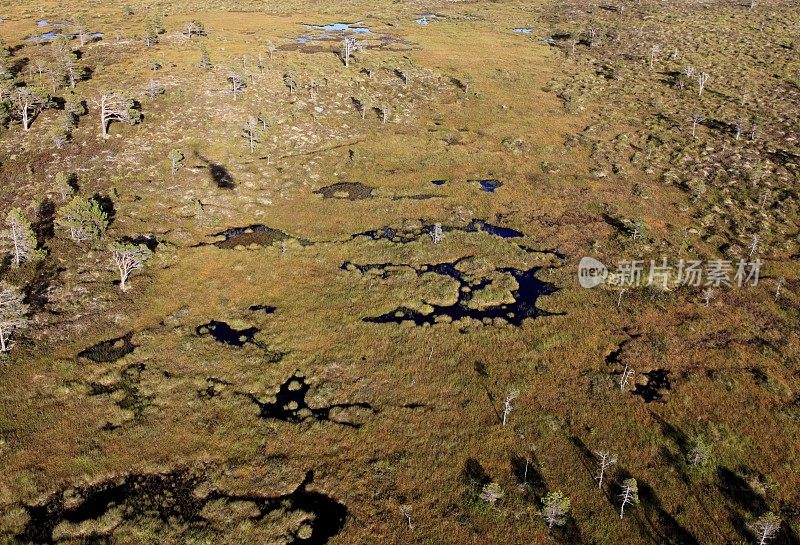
{"x":307,"y":273}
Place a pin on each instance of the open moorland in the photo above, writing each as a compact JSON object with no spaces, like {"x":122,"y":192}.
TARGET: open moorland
{"x":295,"y":272}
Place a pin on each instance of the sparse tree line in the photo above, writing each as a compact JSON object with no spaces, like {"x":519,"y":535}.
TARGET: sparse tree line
{"x":85,"y":222}
{"x":746,"y":117}
{"x":23,"y":100}
{"x":624,"y":489}
{"x":255,"y":127}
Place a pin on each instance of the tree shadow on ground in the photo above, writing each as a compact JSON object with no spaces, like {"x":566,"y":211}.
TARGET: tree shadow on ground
{"x":44,"y":227}
{"x":663,"y":526}
{"x":106,"y":204}
{"x":526,"y":471}
{"x":37,"y":290}
{"x":473,"y":474}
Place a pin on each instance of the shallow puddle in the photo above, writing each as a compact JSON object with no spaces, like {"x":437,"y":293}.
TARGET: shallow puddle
{"x":290,"y":405}
{"x":529,"y":289}
{"x":225,"y":334}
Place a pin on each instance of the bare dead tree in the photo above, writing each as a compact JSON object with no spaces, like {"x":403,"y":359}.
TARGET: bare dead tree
{"x":117,"y":106}
{"x":263,"y":118}
{"x":403,"y":75}
{"x":384,"y":114}
{"x":605,"y":460}
{"x":363,"y":104}
{"x":754,"y":245}
{"x":252,"y":132}
{"x":28,"y":103}
{"x":194,"y":28}
{"x":237,"y":83}
{"x":271,"y":49}
{"x":507,"y":407}
{"x":738,"y":125}
{"x":778,"y":285}
{"x":697,"y":118}
{"x":708,"y":295}
{"x":290,"y":82}
{"x":626,"y":376}
{"x":591,"y":34}
{"x":702,"y":79}
{"x":629,"y":494}
{"x":128,"y":259}
{"x":405,"y":510}
{"x":653,"y":52}
{"x":349,"y":46}
{"x":437,"y":234}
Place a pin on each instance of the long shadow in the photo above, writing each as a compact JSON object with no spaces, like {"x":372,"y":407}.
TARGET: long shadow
{"x":19,"y":66}
{"x":722,"y":126}
{"x":589,"y":461}
{"x":526,"y":472}
{"x":219,"y":174}
{"x":570,"y":533}
{"x":741,"y":498}
{"x":787,"y":535}
{"x":681,"y":441}
{"x":474,"y":473}
{"x":149,"y":241}
{"x":5,"y":264}
{"x":36,"y":292}
{"x":734,"y":487}
{"x":45,"y":222}
{"x":663,"y":525}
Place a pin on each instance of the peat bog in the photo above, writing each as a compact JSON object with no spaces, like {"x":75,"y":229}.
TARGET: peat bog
{"x":181,"y":495}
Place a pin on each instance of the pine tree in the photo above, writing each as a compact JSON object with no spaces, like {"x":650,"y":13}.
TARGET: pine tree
{"x":84,"y":218}
{"x":63,"y":185}
{"x":555,"y":508}
{"x":21,"y":239}
{"x":176,"y":158}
